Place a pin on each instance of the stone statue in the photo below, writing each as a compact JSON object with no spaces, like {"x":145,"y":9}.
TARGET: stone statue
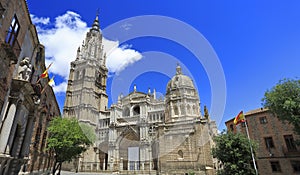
{"x":24,"y":69}
{"x":206,"y":114}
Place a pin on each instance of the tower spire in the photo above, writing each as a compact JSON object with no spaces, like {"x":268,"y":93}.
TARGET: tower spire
{"x":96,"y":25}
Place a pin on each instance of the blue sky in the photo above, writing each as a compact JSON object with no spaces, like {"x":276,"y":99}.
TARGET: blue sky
{"x":257,"y":43}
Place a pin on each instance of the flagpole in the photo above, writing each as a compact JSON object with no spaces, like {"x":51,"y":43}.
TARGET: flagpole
{"x":44,"y":88}
{"x":253,"y":159}
{"x":52,"y":79}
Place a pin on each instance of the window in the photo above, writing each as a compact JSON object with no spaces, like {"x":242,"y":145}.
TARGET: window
{"x":126,"y":112}
{"x":275,"y":166}
{"x":296,"y":166}
{"x":290,"y":143}
{"x":263,"y":120}
{"x":13,"y":31}
{"x":136,"y":110}
{"x":180,"y":154}
{"x":269,"y":142}
{"x":175,"y":110}
{"x":243,"y":124}
{"x":231,"y":127}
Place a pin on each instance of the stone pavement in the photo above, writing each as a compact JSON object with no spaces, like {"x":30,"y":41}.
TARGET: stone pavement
{"x":71,"y":173}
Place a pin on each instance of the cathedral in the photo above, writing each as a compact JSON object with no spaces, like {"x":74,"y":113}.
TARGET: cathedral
{"x":140,"y":134}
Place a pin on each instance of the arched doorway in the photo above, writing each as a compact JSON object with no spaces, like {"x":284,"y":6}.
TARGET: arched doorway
{"x":128,"y":143}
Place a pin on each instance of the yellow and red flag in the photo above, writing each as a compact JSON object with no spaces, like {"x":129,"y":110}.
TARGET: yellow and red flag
{"x":45,"y":73}
{"x":239,"y":118}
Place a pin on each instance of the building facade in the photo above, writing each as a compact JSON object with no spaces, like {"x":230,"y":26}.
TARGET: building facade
{"x":140,"y":133}
{"x":277,"y":152}
{"x":22,"y":60}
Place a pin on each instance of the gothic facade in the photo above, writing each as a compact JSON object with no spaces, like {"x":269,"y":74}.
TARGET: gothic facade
{"x":140,"y":133}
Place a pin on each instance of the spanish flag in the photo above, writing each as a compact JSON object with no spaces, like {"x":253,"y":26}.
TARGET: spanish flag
{"x":239,"y":118}
{"x":45,"y":73}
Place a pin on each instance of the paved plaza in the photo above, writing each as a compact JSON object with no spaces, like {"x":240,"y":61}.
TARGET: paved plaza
{"x":70,"y":173}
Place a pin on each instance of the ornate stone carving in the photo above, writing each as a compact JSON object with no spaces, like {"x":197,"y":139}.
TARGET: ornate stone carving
{"x":24,"y":69}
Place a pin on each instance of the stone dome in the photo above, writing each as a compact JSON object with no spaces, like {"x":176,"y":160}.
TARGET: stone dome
{"x":180,"y":81}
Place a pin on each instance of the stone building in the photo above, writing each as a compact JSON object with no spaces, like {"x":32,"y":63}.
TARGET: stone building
{"x":277,"y":152}
{"x":22,"y":60}
{"x":140,"y":133}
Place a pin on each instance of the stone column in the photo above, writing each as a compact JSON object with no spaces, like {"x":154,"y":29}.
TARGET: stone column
{"x":171,"y":110}
{"x":79,"y":164}
{"x":150,"y":162}
{"x":104,"y":164}
{"x":6,"y":128}
{"x":121,"y":163}
{"x":4,"y":110}
{"x":7,"y":168}
{"x":111,"y":165}
{"x":2,"y":165}
{"x":85,"y":166}
{"x":28,"y":134}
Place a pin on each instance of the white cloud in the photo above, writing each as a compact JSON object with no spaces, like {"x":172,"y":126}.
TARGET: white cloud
{"x":37,"y":20}
{"x":61,"y":42}
{"x":62,"y":39}
{"x":121,"y":57}
{"x":62,"y":87}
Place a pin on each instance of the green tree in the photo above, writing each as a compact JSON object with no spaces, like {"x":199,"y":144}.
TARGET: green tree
{"x":284,"y":101}
{"x":233,"y":150}
{"x":88,"y":131}
{"x":66,"y":140}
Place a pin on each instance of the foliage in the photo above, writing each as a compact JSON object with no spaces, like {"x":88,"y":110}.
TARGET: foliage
{"x":66,"y":140}
{"x":233,"y":150}
{"x":88,"y":131}
{"x":191,"y":173}
{"x":284,"y":101}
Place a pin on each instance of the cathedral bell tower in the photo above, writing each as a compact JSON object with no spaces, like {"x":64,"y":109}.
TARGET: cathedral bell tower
{"x":86,"y":92}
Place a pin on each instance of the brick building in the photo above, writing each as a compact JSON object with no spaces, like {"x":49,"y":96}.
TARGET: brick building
{"x":277,"y":151}
{"x":23,"y":108}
